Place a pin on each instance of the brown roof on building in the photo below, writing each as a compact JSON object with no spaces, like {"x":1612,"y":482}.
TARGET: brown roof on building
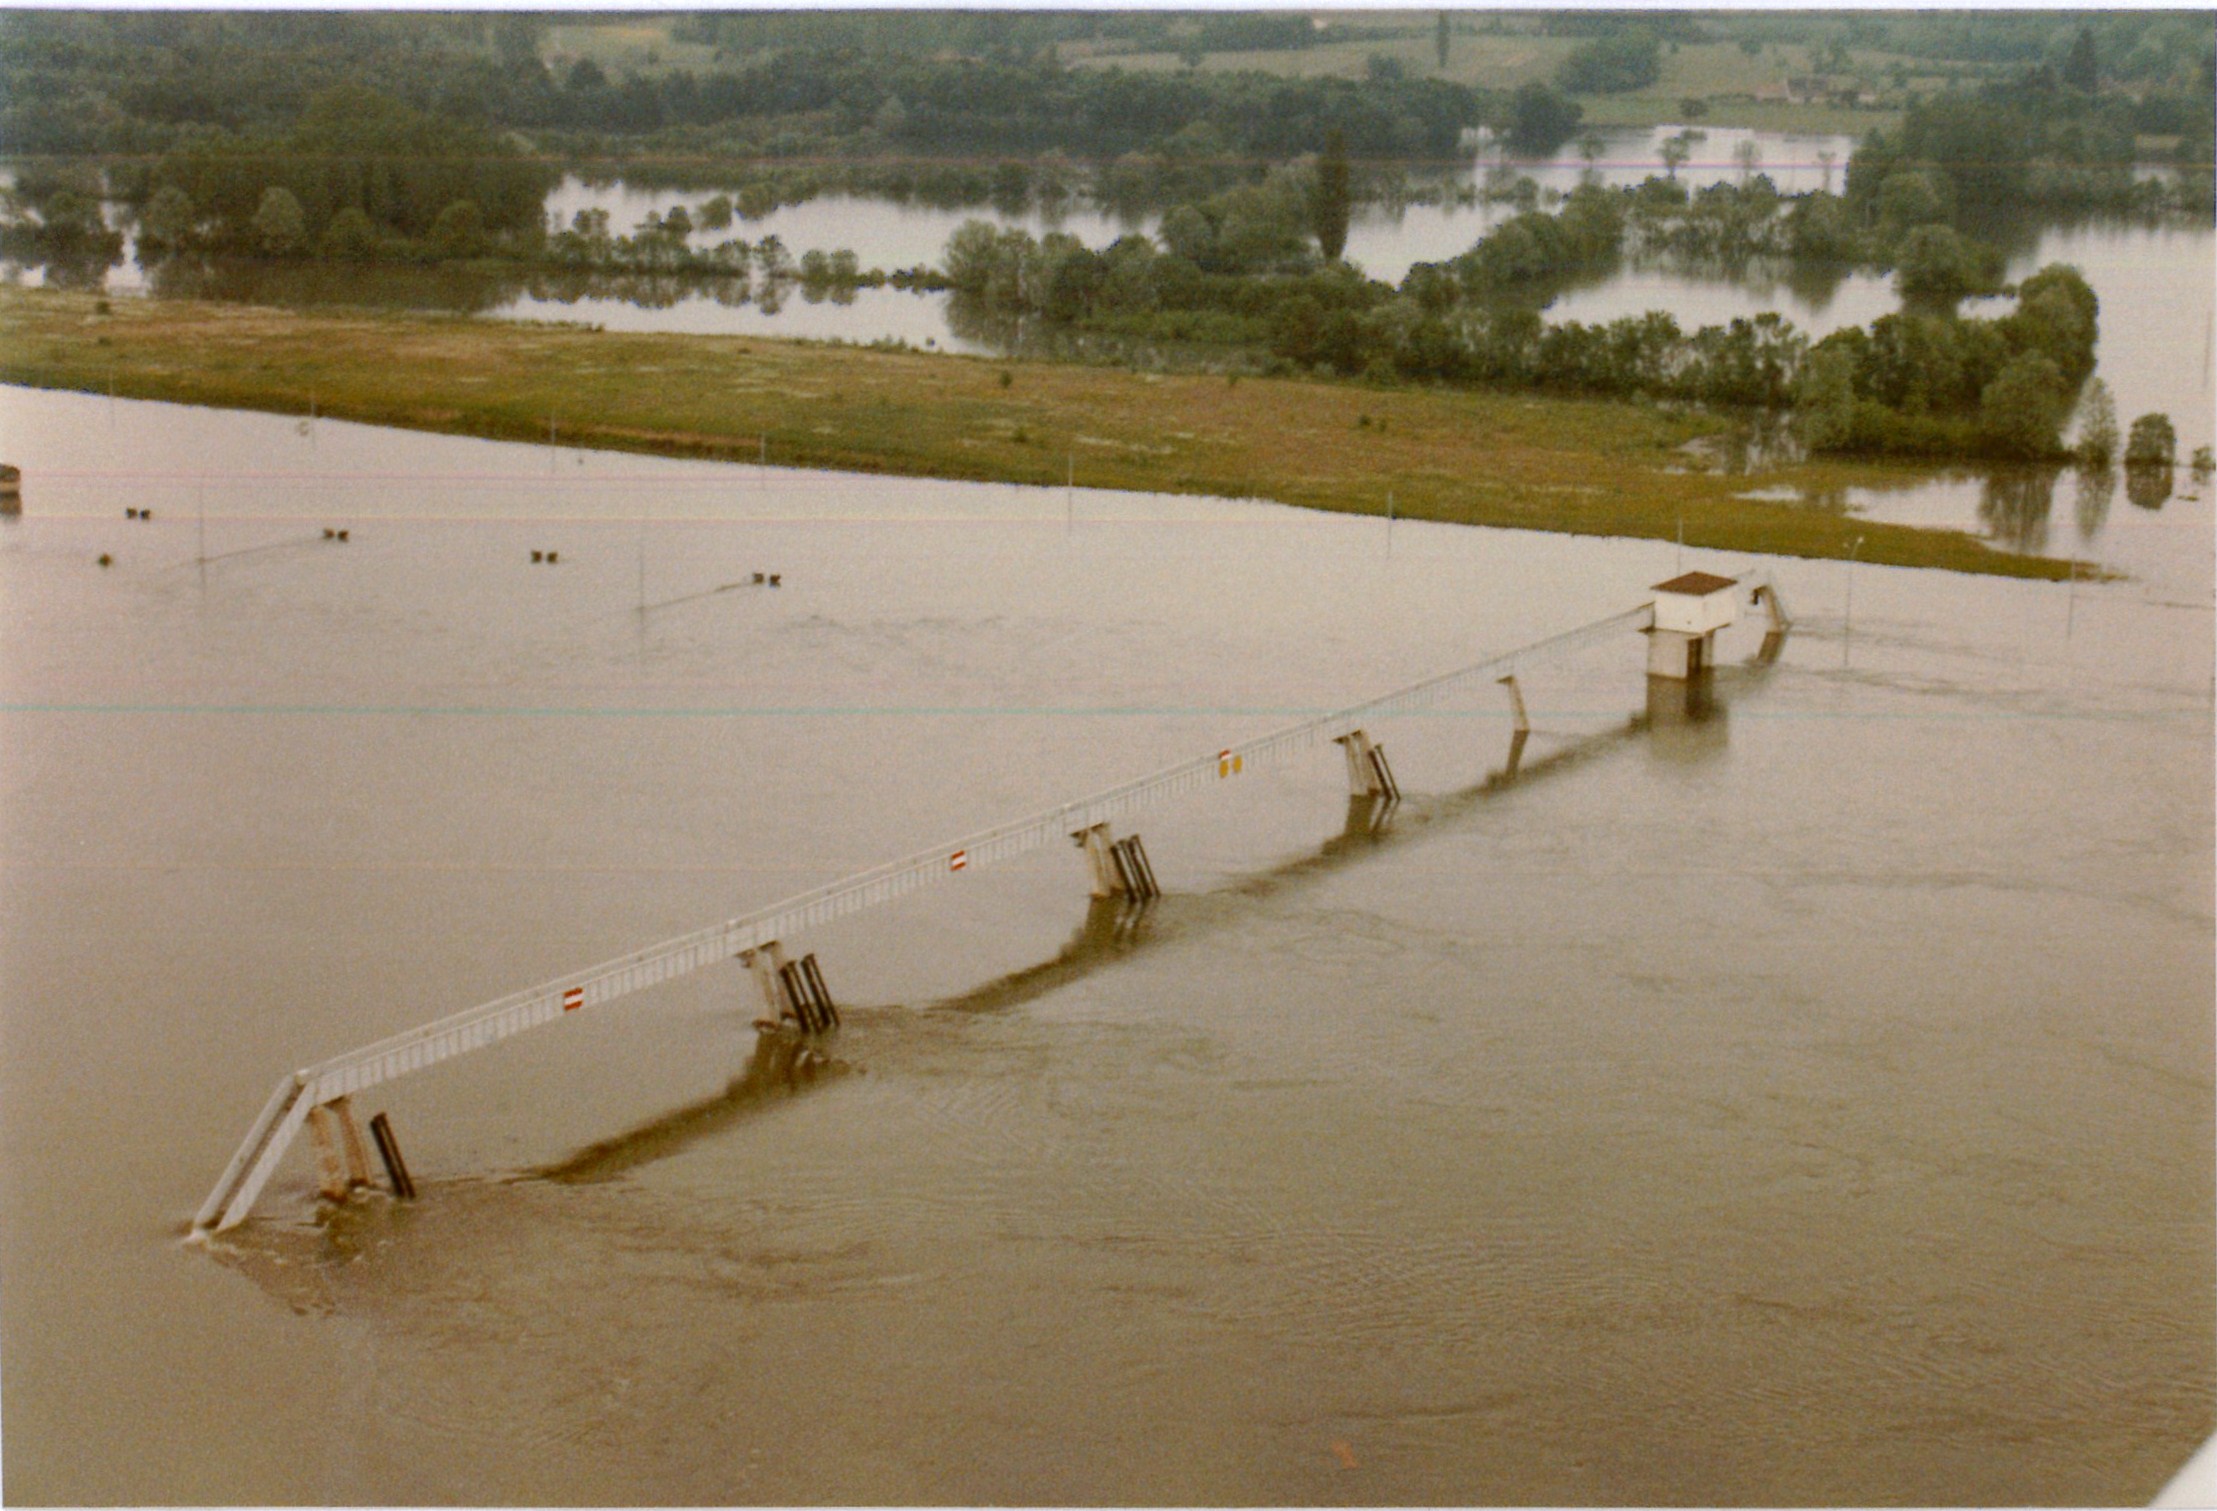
{"x":1695,"y":584}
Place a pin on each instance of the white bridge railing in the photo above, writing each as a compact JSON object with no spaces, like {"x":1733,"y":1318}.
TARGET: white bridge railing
{"x":302,"y":1091}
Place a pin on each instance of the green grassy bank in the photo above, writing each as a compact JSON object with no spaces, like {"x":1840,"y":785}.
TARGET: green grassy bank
{"x":1523,"y":461}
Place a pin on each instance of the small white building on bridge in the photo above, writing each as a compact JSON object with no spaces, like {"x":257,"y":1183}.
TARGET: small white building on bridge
{"x":1689,"y":610}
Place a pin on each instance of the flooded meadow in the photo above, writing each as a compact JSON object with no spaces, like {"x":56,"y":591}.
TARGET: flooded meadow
{"x":2154,"y":280}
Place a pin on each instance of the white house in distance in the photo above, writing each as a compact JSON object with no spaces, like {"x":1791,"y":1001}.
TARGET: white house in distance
{"x":1689,"y":611}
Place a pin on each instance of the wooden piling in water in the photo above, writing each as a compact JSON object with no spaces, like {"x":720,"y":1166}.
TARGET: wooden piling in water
{"x":388,"y":1150}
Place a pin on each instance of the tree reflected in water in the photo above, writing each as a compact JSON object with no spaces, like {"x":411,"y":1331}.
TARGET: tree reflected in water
{"x":84,"y":271}
{"x":2091,"y":493}
{"x":454,"y":288}
{"x":2013,"y":505}
{"x":2148,"y":486}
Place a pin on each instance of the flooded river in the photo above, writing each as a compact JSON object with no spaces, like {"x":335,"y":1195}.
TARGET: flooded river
{"x":1802,"y":1094}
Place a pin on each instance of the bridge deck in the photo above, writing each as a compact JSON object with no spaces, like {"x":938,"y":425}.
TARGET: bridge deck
{"x":475,"y":1028}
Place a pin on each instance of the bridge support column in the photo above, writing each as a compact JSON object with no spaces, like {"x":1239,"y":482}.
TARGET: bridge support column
{"x":1766,"y":594}
{"x":351,"y":1140}
{"x":388,"y":1149}
{"x":1119,"y":867}
{"x":1368,"y":775}
{"x":1523,"y":728}
{"x":1774,"y":638}
{"x":767,"y":965}
{"x":342,"y":1159}
{"x":1678,"y":655}
{"x":806,"y":996}
{"x":1096,"y":842}
{"x":1516,"y":704}
{"x":793,"y":991}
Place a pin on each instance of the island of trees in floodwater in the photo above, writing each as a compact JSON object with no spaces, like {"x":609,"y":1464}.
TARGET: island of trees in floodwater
{"x":359,"y":138}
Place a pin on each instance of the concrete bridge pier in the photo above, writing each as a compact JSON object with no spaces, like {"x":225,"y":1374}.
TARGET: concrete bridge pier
{"x":1774,"y":638}
{"x":342,"y":1158}
{"x":1522,"y":730}
{"x":1516,"y":705}
{"x":1119,"y":867}
{"x":1368,"y":775}
{"x":1766,"y":594}
{"x":793,"y":991}
{"x":767,"y":965}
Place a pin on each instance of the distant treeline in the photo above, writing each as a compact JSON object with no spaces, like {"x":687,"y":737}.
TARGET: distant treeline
{"x":950,"y":82}
{"x":2038,"y":139}
{"x":1015,"y":33}
{"x":956,"y":95}
{"x":2140,"y":46}
{"x":118,"y":83}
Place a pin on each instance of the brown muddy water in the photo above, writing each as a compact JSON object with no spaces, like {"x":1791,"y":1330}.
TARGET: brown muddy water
{"x":1805,"y":1096}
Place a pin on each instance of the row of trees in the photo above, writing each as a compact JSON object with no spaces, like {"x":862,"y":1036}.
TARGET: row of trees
{"x":1241,"y":270}
{"x":961,"y":83}
{"x":52,"y":214}
{"x":1005,"y":34}
{"x":1926,"y":383}
{"x":662,"y":244}
{"x":1614,"y":63}
{"x":1730,"y":225}
{"x":1295,"y":221}
{"x":2040,"y":140}
{"x":128,"y":83}
{"x":357,"y":172}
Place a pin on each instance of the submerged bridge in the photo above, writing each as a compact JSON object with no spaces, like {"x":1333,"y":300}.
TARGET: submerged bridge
{"x":1680,"y":622}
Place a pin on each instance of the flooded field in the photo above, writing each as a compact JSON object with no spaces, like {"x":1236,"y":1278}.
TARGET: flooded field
{"x":2154,"y":280}
{"x":1801,"y":1093}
